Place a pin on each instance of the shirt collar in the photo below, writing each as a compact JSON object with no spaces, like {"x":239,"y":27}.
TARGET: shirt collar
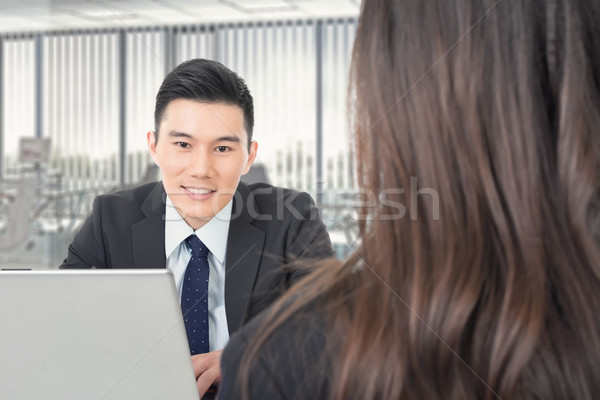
{"x":213,"y":234}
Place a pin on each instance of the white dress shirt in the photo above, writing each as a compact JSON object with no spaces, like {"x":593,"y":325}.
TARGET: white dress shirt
{"x":214,"y":235}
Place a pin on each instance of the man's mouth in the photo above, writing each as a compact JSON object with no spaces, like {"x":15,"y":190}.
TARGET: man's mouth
{"x":198,"y":190}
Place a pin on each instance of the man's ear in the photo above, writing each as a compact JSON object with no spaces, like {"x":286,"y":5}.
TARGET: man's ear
{"x":151,"y":139}
{"x":251,"y":156}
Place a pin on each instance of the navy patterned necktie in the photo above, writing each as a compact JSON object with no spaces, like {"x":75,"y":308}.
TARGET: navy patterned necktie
{"x":194,"y":296}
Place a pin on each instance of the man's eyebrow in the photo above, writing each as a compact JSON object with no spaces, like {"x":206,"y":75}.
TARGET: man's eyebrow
{"x":177,"y":134}
{"x":228,"y":139}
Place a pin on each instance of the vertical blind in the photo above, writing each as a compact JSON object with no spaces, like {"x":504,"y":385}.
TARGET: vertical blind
{"x":18,"y":95}
{"x":145,"y":70}
{"x":82,"y":108}
{"x":80,"y":88}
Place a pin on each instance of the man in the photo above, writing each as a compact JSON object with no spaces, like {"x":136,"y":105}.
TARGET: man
{"x":203,"y":144}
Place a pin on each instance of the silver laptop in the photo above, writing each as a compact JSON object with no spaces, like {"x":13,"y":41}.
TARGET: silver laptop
{"x":93,"y":334}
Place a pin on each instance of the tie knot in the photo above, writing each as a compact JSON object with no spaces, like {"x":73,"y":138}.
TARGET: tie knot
{"x":196,"y":246}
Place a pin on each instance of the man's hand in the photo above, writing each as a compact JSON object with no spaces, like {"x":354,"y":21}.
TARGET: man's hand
{"x":207,"y":368}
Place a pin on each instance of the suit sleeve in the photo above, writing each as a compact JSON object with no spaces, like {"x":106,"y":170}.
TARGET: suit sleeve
{"x":307,"y":239}
{"x":87,"y":249}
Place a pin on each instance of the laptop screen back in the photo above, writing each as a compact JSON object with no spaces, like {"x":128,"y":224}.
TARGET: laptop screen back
{"x":93,"y":334}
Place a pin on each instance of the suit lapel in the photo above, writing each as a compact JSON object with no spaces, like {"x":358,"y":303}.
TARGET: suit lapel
{"x":244,"y":251}
{"x":149,"y":234}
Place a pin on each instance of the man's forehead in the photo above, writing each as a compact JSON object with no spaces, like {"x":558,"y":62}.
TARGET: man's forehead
{"x":173,"y":124}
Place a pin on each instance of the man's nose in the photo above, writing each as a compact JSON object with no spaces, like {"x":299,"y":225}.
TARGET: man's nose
{"x":200,"y":165}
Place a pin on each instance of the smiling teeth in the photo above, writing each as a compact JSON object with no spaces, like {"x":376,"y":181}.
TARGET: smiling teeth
{"x":199,"y":191}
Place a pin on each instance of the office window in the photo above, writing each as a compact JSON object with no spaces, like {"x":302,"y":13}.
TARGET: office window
{"x":80,"y":89}
{"x":296,"y":70}
{"x":18,"y":98}
{"x":194,"y":42}
{"x":145,"y":69}
{"x":338,"y":38}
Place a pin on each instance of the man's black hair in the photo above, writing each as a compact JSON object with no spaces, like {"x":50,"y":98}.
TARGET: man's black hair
{"x":206,"y":81}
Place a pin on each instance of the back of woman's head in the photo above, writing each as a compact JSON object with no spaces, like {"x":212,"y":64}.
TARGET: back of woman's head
{"x":478,"y":125}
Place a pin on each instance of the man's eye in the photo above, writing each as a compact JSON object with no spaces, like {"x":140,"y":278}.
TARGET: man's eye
{"x":222,"y":149}
{"x":183,"y":144}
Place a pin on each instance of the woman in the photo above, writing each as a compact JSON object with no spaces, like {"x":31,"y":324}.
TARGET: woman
{"x":493,"y":290}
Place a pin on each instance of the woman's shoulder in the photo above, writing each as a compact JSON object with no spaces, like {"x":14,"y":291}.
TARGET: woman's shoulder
{"x":291,"y":354}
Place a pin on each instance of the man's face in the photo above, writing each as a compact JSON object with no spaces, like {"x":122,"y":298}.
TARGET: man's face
{"x":202,"y":151}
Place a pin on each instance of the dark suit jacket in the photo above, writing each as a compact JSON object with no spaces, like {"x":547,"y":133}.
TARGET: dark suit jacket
{"x":270,"y":227}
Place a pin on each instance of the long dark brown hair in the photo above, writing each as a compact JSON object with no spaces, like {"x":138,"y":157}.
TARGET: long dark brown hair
{"x":488,"y":285}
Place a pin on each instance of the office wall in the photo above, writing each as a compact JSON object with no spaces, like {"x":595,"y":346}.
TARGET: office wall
{"x":92,"y":93}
